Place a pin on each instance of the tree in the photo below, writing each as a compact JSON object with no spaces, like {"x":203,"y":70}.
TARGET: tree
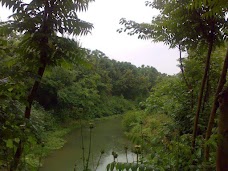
{"x":222,"y":150}
{"x":41,"y":22}
{"x":221,"y":83}
{"x":174,"y":26}
{"x":214,"y":9}
{"x":12,"y":89}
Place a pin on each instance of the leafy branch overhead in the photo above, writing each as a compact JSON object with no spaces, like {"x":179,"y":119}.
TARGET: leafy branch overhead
{"x":178,"y":24}
{"x":61,"y":18}
{"x":215,"y":7}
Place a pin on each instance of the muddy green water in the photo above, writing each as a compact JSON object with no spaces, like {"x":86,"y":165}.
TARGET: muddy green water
{"x":107,"y":135}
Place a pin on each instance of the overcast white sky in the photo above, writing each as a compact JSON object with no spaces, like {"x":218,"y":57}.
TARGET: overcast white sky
{"x":105,"y":15}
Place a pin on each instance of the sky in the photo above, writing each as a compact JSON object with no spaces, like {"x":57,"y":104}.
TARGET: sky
{"x":105,"y":16}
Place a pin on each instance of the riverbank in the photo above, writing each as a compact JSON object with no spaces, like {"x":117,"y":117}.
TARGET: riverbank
{"x":55,"y":139}
{"x":51,"y":140}
{"x":107,"y":136}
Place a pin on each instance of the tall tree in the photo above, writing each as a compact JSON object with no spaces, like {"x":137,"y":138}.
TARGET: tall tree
{"x":41,"y":22}
{"x":174,"y":26}
{"x":222,"y":150}
{"x":221,"y":83}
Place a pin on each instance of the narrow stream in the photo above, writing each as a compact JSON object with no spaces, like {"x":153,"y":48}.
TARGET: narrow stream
{"x":107,"y":135}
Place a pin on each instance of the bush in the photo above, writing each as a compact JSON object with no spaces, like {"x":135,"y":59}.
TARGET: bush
{"x":131,"y":119}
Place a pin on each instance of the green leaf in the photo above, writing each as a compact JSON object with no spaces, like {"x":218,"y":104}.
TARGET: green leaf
{"x":108,"y":167}
{"x":134,"y":167}
{"x":127,"y":166}
{"x":112,"y":166}
{"x":141,"y":167}
{"x":9,"y":143}
{"x":10,"y":89}
{"x":17,"y":140}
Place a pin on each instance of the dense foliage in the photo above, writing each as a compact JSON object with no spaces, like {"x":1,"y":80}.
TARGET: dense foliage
{"x":47,"y":79}
{"x":168,"y":119}
{"x":97,"y":87}
{"x":199,"y":28}
{"x":104,"y":87}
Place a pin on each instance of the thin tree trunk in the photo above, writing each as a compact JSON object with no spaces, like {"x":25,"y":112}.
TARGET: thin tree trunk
{"x":207,"y":94}
{"x":32,"y":94}
{"x":34,"y":91}
{"x":27,"y":115}
{"x":215,"y":106}
{"x":182,"y":69}
{"x":200,"y":97}
{"x":185,"y":79}
{"x":222,"y":150}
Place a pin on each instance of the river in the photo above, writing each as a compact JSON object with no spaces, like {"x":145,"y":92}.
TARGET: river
{"x":107,"y":135}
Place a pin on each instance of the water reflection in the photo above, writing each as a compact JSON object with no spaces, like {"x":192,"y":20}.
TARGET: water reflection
{"x":107,"y":135}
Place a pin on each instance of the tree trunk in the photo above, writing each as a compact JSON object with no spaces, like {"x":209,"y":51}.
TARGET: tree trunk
{"x":222,"y":81}
{"x":189,"y":86}
{"x":32,"y":94}
{"x":34,"y":91}
{"x":27,"y":115}
{"x":222,"y":150}
{"x":200,"y":97}
{"x":207,"y":92}
{"x":182,"y":69}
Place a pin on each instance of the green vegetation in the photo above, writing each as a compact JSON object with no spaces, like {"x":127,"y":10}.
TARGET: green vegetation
{"x":164,"y":125}
{"x":92,"y":88}
{"x":65,"y":95}
{"x":180,"y":96}
{"x":48,"y":136}
{"x":48,"y":80}
{"x":106,"y":88}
